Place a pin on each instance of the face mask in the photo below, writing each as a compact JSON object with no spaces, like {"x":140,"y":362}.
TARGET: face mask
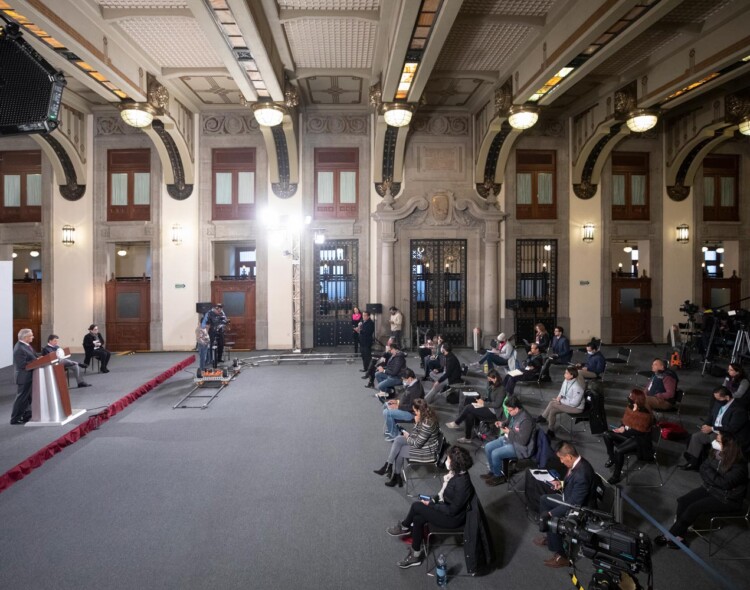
{"x":448,"y":463}
{"x":406,"y":383}
{"x":716,"y":445}
{"x":589,"y":352}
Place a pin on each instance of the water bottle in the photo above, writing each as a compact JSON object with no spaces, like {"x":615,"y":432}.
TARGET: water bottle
{"x":441,"y":571}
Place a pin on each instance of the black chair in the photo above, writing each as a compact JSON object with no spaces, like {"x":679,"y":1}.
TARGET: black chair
{"x":581,"y":417}
{"x":676,"y":408}
{"x":622,"y":358}
{"x":543,"y":377}
{"x":716,"y":523}
{"x":634,"y":465}
{"x":436,"y":464}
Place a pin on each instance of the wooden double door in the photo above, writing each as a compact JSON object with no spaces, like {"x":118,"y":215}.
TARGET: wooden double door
{"x":631,"y":309}
{"x":128,"y":314}
{"x":27,"y":311}
{"x":238,"y":298}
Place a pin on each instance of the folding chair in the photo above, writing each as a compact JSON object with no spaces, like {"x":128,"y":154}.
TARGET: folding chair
{"x":436,"y":531}
{"x":715,"y":525}
{"x":436,"y":463}
{"x":676,"y":408}
{"x":541,"y":378}
{"x":622,"y":358}
{"x":574,"y":419}
{"x":640,"y":466}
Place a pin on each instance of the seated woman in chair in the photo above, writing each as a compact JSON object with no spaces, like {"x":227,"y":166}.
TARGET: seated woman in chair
{"x":446,"y":510}
{"x":632,"y":436}
{"x":724,"y":476}
{"x":421,"y":444}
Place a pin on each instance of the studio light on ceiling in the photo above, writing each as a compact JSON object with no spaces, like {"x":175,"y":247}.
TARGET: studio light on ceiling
{"x":641,"y":120}
{"x":137,"y":114}
{"x":522,"y":117}
{"x":268,"y":114}
{"x":745,"y":126}
{"x":398,"y":114}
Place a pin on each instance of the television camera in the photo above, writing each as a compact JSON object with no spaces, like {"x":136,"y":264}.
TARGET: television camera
{"x":618,"y":552}
{"x":689,"y":309}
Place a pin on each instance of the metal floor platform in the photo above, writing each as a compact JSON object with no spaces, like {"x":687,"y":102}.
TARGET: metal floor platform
{"x":301,"y":358}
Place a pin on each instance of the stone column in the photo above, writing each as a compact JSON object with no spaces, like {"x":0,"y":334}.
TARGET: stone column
{"x":387,"y":275}
{"x":491,"y":315}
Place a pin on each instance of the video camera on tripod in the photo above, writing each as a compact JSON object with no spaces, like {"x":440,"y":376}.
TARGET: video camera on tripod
{"x":614,"y":549}
{"x":689,"y":309}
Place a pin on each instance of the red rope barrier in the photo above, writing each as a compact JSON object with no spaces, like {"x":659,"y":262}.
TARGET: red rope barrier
{"x":44,"y":454}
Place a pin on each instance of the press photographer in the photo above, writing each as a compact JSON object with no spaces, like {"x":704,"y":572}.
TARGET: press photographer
{"x":216,"y":321}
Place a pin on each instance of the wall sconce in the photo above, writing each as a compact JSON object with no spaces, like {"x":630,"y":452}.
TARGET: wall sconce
{"x":588,"y":232}
{"x":69,"y":235}
{"x":320,"y":237}
{"x":683,"y":234}
{"x":268,"y":114}
{"x":177,"y":234}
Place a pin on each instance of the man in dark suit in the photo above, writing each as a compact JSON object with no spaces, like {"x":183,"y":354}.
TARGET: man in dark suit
{"x":366,"y":331}
{"x":577,"y":489}
{"x":23,"y":354}
{"x":725,"y":416}
{"x":53,"y":345}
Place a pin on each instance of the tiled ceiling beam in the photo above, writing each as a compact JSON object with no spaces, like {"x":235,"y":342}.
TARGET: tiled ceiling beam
{"x":289,"y":14}
{"x":401,"y":37}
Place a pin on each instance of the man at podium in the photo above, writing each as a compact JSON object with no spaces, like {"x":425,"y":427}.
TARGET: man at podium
{"x":23,"y":354}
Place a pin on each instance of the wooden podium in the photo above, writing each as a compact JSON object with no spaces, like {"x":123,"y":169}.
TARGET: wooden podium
{"x":50,"y":400}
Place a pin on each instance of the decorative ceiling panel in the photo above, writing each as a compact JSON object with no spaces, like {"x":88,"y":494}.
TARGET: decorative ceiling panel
{"x":172,"y":42}
{"x":695,"y":11}
{"x":639,"y":49}
{"x":142,"y":4}
{"x":332,"y":43}
{"x":510,"y":7}
{"x":334,"y":89}
{"x":486,"y":47}
{"x":451,"y":92}
{"x":214,"y":90}
{"x":329,"y":4}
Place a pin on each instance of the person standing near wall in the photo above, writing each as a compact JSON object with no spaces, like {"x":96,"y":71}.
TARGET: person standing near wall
{"x":397,"y":323}
{"x":356,"y":321}
{"x":366,"y":331}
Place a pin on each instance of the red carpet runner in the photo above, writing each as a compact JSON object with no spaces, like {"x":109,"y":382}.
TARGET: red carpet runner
{"x":37,"y":459}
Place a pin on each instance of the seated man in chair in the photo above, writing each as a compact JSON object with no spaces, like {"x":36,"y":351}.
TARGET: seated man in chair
{"x":577,"y":490}
{"x":400,"y":409}
{"x":516,"y":442}
{"x":53,"y":344}
{"x":530,"y":372}
{"x":389,"y":375}
{"x":452,"y":374}
{"x":595,"y":362}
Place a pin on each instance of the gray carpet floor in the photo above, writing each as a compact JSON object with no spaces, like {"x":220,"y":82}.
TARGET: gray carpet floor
{"x":271,"y":487}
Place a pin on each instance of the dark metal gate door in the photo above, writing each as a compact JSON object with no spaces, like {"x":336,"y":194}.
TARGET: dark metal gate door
{"x":336,"y":279}
{"x":536,"y":286}
{"x":438,"y":288}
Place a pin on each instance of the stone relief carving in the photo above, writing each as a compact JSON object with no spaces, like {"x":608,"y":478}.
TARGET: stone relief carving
{"x":345,"y":124}
{"x":229,"y":124}
{"x":441,"y":125}
{"x":440,"y":209}
{"x":114,"y":125}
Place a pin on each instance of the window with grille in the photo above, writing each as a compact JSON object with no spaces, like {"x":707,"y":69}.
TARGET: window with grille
{"x":129,"y":185}
{"x":20,"y":186}
{"x":630,"y":195}
{"x":233,"y":184}
{"x":336,"y":182}
{"x":720,"y":188}
{"x":535,"y":184}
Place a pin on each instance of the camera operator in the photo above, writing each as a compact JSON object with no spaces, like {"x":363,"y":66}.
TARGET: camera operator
{"x":216,"y":320}
{"x":576,"y":489}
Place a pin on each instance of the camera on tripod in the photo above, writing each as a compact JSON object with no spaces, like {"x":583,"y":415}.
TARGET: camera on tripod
{"x":612,"y":547}
{"x":689,"y":309}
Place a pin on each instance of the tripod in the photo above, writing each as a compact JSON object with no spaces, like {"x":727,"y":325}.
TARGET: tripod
{"x":603,"y":579}
{"x":741,"y":346}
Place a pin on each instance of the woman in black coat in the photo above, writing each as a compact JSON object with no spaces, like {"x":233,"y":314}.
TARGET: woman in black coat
{"x":724,"y":476}
{"x":447,"y":509}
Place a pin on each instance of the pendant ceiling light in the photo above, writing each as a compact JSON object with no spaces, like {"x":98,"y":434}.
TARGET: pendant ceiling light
{"x":745,"y":126}
{"x":641,"y":120}
{"x":522,"y":117}
{"x":398,"y":114}
{"x":268,"y":114}
{"x":137,"y":114}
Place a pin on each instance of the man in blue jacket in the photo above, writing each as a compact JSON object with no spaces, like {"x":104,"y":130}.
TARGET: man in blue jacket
{"x":595,"y":362}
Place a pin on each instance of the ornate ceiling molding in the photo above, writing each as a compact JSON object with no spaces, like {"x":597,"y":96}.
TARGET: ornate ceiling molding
{"x":589,"y":162}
